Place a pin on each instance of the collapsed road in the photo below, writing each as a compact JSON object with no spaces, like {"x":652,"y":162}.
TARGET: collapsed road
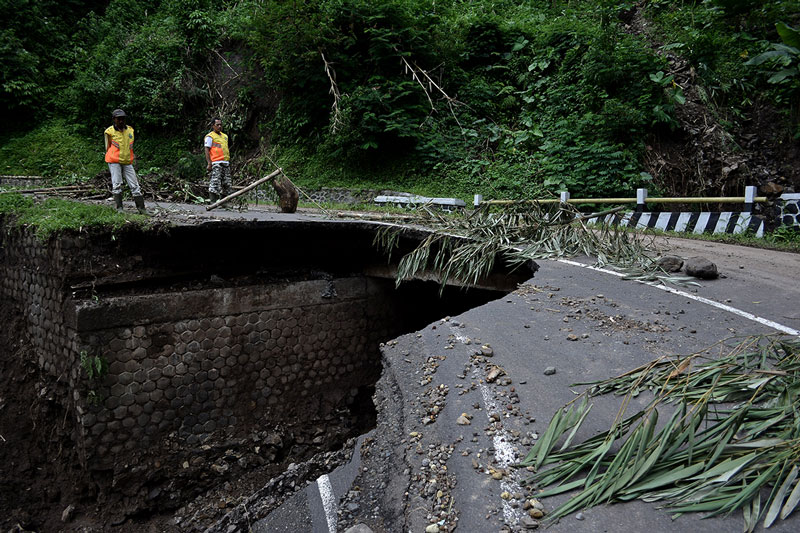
{"x":200,"y":355}
{"x":418,"y":472}
{"x":436,"y":453}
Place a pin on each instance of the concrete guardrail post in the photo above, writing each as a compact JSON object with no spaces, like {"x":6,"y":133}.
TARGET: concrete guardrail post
{"x":641,"y":199}
{"x":477,"y":200}
{"x":749,"y":198}
{"x":564,"y":197}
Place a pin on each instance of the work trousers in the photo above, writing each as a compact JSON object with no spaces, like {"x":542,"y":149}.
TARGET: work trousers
{"x":117,"y":171}
{"x":220,"y":178}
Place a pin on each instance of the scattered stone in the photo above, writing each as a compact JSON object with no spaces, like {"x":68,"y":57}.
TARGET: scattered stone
{"x":700,"y":267}
{"x":494,"y":373}
{"x":487,"y":351}
{"x":771,"y":189}
{"x":433,"y":528}
{"x":579,"y":516}
{"x":549,"y":371}
{"x":528,"y":523}
{"x":66,"y":514}
{"x":670,"y":263}
{"x":359,"y":528}
{"x":572,"y":337}
{"x":463,"y":420}
{"x":219,"y":469}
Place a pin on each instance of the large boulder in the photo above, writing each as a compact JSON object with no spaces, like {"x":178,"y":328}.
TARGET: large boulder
{"x":700,"y":267}
{"x":670,"y":263}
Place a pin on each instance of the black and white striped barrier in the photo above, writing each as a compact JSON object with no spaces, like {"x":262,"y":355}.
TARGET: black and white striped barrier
{"x":790,"y":210}
{"x":704,"y":222}
{"x":412,"y":200}
{"x":731,"y":222}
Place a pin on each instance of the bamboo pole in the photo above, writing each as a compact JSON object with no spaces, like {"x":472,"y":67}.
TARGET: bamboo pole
{"x":64,"y":188}
{"x":700,"y":200}
{"x":244,"y":190}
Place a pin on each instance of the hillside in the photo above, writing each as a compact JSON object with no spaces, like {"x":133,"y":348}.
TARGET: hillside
{"x":507,"y":98}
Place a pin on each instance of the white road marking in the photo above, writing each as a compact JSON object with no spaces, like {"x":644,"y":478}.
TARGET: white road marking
{"x":328,"y":501}
{"x":504,"y":454}
{"x":718,"y":305}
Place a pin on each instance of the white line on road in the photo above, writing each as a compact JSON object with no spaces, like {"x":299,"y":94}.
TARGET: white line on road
{"x":718,"y":305}
{"x":503,"y":451}
{"x":328,"y":501}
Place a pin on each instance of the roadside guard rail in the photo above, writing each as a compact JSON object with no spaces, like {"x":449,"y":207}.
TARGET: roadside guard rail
{"x":687,"y":221}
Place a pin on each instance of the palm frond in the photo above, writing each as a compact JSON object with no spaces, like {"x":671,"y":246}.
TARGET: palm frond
{"x":734,"y":433}
{"x":466,"y":247}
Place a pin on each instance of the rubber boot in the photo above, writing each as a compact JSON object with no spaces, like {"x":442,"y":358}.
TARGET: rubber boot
{"x":118,"y":200}
{"x":139,"y":201}
{"x":213,"y":197}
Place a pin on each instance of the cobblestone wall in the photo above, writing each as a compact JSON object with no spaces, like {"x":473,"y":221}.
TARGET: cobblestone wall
{"x":32,"y":282}
{"x":192,"y":364}
{"x":254,"y":355}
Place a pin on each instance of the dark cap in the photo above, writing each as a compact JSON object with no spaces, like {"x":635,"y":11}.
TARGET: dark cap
{"x":118,"y":113}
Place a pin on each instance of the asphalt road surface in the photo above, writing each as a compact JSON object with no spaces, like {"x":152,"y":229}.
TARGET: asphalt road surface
{"x":618,"y":324}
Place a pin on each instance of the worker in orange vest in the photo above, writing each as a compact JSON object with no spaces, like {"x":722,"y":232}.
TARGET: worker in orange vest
{"x":219,"y":161}
{"x":119,"y":156}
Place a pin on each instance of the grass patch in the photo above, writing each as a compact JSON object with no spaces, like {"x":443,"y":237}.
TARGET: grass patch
{"x":56,"y":215}
{"x":54,"y":149}
{"x":311,"y":171}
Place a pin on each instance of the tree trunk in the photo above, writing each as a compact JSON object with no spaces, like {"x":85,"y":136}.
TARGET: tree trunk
{"x":287,"y":194}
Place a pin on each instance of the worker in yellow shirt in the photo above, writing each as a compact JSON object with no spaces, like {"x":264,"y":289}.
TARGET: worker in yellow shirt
{"x":219,"y":161}
{"x":119,"y":156}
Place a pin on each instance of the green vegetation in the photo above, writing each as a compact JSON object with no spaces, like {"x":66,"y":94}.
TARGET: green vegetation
{"x":730,"y":441}
{"x":508,"y":98}
{"x":95,"y":366}
{"x":56,"y":215}
{"x":464,"y":247}
{"x":55,"y":150}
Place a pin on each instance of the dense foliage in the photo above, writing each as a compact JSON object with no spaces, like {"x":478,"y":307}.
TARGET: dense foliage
{"x":495,"y":96}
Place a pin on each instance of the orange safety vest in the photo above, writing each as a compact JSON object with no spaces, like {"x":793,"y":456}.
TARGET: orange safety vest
{"x":219,"y":147}
{"x":120,"y":149}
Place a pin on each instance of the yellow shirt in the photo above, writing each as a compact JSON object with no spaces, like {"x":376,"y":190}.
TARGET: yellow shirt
{"x":120,"y":149}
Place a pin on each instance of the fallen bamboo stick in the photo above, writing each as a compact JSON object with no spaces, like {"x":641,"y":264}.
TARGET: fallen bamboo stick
{"x":64,"y":188}
{"x":243,"y":190}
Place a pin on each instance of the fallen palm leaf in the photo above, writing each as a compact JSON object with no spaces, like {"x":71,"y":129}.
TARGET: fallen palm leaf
{"x":464,"y":248}
{"x":734,"y":432}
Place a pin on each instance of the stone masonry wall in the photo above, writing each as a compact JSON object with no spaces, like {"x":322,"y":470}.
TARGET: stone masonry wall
{"x":32,"y":283}
{"x":192,"y":364}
